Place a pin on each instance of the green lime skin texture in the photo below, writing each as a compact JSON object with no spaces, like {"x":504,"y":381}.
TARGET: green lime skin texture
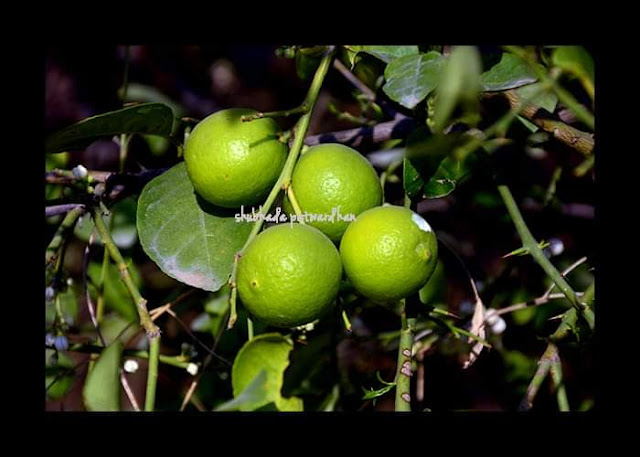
{"x":232,"y":163}
{"x":289,"y":275}
{"x":388,"y":253}
{"x":333,"y":177}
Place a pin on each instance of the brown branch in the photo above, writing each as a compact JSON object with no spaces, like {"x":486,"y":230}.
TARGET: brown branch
{"x":572,"y":137}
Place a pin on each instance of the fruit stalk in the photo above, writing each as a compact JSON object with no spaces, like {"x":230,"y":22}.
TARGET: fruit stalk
{"x":529,"y":242}
{"x":284,"y":179}
{"x":403,"y":373}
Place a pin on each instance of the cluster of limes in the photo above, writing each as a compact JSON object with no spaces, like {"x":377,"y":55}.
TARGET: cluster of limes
{"x":289,"y":275}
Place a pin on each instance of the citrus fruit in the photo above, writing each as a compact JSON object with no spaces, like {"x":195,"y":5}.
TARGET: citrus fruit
{"x":388,"y":253}
{"x":289,"y":275}
{"x":333,"y":182}
{"x":233,"y":163}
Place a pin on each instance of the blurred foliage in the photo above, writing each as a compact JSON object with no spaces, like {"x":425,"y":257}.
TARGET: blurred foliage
{"x":328,"y":368}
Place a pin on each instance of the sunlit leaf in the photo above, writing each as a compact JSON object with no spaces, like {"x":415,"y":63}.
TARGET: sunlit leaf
{"x":188,"y":238}
{"x":253,"y":396}
{"x":389,"y":53}
{"x":146,"y":118}
{"x":268,"y":352}
{"x":409,"y":79}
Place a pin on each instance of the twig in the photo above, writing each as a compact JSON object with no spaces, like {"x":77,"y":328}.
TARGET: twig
{"x":397,"y":128}
{"x":403,"y":373}
{"x":577,"y":139}
{"x":544,"y":365}
{"x":129,"y":392}
{"x":344,"y":71}
{"x":556,"y":375}
{"x":152,"y":375}
{"x":531,"y":244}
{"x":55,"y":210}
{"x":55,"y":251}
{"x":141,"y":304}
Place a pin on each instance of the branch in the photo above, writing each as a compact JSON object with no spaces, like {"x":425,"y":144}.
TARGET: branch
{"x":397,"y":128}
{"x":403,"y":373}
{"x":572,"y":137}
{"x":529,"y":242}
{"x":544,"y":365}
{"x":141,"y":304}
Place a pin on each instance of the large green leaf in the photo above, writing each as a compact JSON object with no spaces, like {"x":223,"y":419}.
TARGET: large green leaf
{"x":189,"y":239}
{"x":458,"y":85}
{"x":411,"y":78}
{"x":101,"y":390}
{"x":268,"y":352}
{"x":509,"y":73}
{"x":146,"y":118}
{"x":389,"y":53}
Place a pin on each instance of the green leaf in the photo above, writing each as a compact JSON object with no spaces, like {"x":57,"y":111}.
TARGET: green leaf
{"x":268,"y":352}
{"x":411,"y":78}
{"x":372,"y":394}
{"x":450,"y":174}
{"x":431,"y":156}
{"x":115,"y":293}
{"x":531,"y":93}
{"x":509,"y":73}
{"x":59,"y":378}
{"x":412,"y":181}
{"x":101,"y":390}
{"x":188,"y":238}
{"x":147,"y":118}
{"x":252,"y":397}
{"x":575,"y":60}
{"x":389,"y":53}
{"x":458,"y":85}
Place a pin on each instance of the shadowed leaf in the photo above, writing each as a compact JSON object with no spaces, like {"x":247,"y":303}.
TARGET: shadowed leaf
{"x":146,"y":118}
{"x":101,"y":390}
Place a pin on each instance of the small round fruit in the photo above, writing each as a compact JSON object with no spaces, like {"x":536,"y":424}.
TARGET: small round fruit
{"x":334,"y":181}
{"x":289,"y":275}
{"x":233,"y":163}
{"x":388,"y":253}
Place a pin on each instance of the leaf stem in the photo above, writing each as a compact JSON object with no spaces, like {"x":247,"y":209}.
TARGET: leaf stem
{"x":294,"y":202}
{"x":284,"y":179}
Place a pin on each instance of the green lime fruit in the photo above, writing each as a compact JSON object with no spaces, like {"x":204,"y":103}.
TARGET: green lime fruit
{"x":388,"y":253}
{"x":333,"y":184}
{"x":289,"y":275}
{"x":231,"y":162}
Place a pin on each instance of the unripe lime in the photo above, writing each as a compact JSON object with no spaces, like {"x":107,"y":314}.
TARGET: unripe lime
{"x":289,"y":275}
{"x":334,"y":181}
{"x":233,"y":163}
{"x":388,"y":253}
